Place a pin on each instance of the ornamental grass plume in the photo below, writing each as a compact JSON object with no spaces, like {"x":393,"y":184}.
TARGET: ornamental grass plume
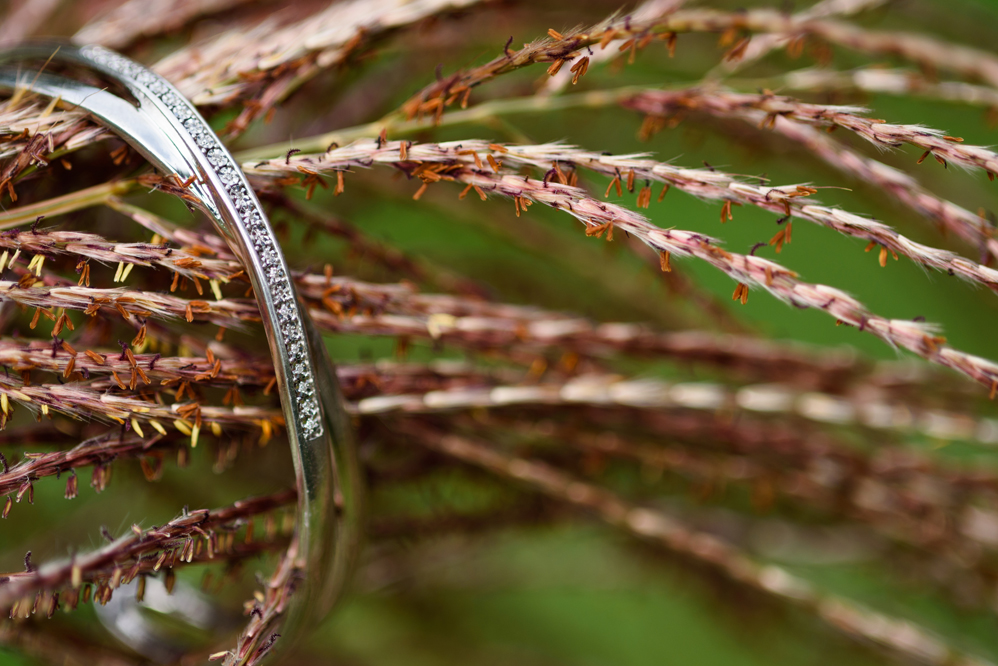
{"x":541,"y":242}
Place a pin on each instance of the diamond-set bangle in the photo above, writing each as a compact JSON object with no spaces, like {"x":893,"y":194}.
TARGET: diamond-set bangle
{"x":155,"y":119}
{"x":262,"y":240}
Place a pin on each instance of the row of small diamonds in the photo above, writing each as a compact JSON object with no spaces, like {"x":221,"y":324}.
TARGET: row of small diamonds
{"x":264,"y":243}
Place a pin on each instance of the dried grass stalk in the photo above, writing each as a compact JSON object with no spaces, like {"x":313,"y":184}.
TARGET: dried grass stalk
{"x":455,"y":162}
{"x":777,"y":420}
{"x":900,"y":636}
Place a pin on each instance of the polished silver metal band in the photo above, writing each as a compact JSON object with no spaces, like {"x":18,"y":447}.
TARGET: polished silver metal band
{"x":164,"y":127}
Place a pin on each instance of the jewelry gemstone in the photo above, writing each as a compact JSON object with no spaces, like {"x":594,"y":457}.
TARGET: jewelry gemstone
{"x":228,"y":175}
{"x":259,"y":236}
{"x":310,"y":409}
{"x":244,"y":204}
{"x":312,"y":428}
{"x":287,"y":312}
{"x":282,"y":292}
{"x":216,"y":158}
{"x":239,"y":195}
{"x":97,"y":54}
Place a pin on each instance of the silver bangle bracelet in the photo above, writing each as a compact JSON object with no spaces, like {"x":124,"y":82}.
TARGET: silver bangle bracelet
{"x":165,"y":128}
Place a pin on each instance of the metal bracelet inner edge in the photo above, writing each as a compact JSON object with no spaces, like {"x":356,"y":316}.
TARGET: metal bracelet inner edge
{"x":264,"y":243}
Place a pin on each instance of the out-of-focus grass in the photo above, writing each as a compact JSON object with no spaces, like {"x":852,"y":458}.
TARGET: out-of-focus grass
{"x":573,"y":596}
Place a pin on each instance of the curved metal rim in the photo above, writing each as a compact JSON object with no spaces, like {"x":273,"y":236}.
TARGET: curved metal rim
{"x":172,"y":135}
